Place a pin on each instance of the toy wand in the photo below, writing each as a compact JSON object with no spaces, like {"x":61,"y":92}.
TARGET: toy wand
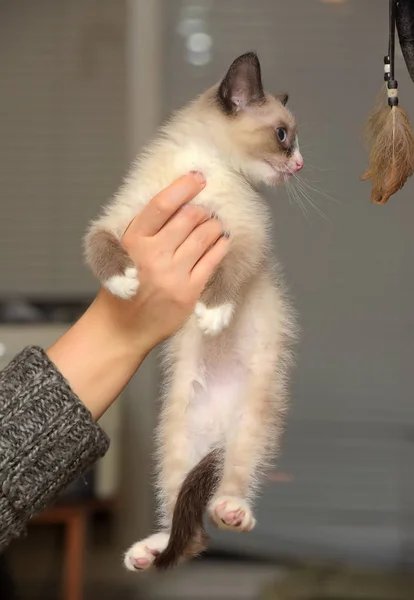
{"x":388,"y":129}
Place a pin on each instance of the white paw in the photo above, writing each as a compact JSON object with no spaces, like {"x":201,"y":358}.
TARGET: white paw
{"x":212,"y":321}
{"x":230,"y":512}
{"x":124,"y":286}
{"x":142,"y":554}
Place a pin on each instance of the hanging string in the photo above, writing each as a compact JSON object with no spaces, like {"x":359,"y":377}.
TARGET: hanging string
{"x":392,"y":82}
{"x":388,"y":132}
{"x":391,"y":38}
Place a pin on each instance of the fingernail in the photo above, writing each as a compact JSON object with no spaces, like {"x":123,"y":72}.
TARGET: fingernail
{"x":199,"y":176}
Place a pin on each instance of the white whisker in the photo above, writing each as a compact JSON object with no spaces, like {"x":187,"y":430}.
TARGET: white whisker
{"x":287,"y":184}
{"x":316,"y":189}
{"x":312,"y":167}
{"x":297,"y":198}
{"x":301,"y":190}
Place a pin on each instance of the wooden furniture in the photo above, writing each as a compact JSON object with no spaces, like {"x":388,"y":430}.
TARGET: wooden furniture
{"x":73,"y":516}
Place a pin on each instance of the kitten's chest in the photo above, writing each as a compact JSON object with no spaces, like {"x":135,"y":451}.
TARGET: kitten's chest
{"x":239,"y":213}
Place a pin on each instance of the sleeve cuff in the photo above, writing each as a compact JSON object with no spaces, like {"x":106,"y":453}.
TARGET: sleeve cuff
{"x":47,"y":438}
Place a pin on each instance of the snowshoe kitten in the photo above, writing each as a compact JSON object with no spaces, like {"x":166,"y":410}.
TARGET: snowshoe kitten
{"x":227,"y":368}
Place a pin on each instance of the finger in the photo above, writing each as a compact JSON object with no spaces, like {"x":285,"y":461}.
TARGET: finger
{"x":165,"y":204}
{"x":197,"y":244}
{"x":206,"y":266}
{"x":180,"y":226}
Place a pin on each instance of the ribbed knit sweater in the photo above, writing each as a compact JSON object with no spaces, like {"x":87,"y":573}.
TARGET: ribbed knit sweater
{"x":47,"y":439}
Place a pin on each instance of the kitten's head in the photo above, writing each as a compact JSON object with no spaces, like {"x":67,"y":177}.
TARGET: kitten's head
{"x":262,"y":132}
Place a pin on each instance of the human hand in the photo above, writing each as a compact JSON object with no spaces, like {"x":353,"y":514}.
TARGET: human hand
{"x":176,"y":248}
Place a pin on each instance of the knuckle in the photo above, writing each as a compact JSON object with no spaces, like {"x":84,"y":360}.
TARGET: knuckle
{"x":201,"y":213}
{"x":207,"y":232}
{"x":190,"y":213}
{"x":162,"y":204}
{"x":200,"y":236}
{"x":218,"y":228}
{"x":194,"y":214}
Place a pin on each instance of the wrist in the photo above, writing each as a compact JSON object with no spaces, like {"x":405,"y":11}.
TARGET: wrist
{"x":120,"y":322}
{"x":102,"y":351}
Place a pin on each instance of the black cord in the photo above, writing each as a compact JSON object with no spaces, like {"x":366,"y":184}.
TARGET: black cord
{"x":392,"y":83}
{"x":389,"y":60}
{"x":391,"y":40}
{"x":391,"y":46}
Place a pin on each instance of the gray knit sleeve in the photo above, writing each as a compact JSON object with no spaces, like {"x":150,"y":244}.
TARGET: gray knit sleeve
{"x":47,"y":439}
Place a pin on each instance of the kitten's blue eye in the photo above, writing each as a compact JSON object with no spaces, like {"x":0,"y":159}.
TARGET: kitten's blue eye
{"x":281,"y":134}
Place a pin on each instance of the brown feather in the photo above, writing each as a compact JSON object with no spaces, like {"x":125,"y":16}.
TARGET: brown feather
{"x":392,"y":153}
{"x":373,"y":123}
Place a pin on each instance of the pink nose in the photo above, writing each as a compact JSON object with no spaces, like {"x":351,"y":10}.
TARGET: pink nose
{"x":299,"y":165}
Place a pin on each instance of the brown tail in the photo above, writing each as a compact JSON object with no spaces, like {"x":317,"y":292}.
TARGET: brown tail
{"x":188,"y":537}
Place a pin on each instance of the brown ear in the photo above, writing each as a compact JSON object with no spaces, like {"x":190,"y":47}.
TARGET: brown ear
{"x":242,"y":85}
{"x":283,"y":98}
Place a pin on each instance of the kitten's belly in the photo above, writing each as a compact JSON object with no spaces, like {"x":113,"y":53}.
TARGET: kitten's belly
{"x":216,"y":406}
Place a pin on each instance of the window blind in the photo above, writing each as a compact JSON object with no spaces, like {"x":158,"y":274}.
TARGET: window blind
{"x":62,"y":140}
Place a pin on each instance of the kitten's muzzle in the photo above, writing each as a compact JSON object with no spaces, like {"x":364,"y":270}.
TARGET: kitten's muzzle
{"x":299,"y":165}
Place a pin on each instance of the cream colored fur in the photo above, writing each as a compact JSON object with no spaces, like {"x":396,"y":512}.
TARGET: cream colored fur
{"x":227,"y":368}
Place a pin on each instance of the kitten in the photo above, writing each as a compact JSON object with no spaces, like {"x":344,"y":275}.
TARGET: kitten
{"x":227,"y":368}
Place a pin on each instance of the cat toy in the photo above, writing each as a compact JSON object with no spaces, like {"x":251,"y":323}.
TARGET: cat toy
{"x":388,"y":130}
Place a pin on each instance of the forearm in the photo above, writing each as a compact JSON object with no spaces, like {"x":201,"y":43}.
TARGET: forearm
{"x":49,"y":403}
{"x":100,"y":353}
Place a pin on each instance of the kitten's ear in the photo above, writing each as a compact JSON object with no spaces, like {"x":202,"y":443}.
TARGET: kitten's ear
{"x":242,"y":85}
{"x":283,"y":98}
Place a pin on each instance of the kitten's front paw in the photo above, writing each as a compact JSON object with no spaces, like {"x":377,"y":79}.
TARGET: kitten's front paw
{"x":212,"y":321}
{"x":142,"y":554}
{"x":231,"y":512}
{"x":124,"y":286}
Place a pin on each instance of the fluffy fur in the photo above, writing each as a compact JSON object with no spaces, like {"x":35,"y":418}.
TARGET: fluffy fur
{"x":227,"y":369}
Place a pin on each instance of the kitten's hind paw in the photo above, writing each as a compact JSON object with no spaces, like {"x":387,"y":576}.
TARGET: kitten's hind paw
{"x":212,"y":321}
{"x":124,"y":286}
{"x":142,"y":554}
{"x":230,"y":512}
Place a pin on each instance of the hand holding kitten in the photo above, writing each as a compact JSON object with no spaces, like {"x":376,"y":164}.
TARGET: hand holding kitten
{"x":175,"y":248}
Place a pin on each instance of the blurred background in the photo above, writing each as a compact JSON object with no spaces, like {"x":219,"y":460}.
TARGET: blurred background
{"x":84,"y":84}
